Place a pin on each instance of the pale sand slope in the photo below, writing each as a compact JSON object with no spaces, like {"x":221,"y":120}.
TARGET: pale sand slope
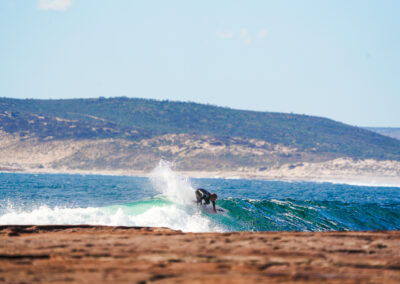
{"x":342,"y":170}
{"x":30,"y":155}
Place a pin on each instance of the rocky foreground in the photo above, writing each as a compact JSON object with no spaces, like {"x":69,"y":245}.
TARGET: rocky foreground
{"x":96,"y":254}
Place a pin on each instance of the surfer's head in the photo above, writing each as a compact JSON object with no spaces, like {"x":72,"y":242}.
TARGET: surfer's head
{"x":213,"y":196}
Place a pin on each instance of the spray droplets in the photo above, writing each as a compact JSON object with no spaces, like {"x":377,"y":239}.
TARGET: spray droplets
{"x":174,"y":187}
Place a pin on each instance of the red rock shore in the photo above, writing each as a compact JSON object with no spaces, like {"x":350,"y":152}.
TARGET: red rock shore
{"x":97,"y":254}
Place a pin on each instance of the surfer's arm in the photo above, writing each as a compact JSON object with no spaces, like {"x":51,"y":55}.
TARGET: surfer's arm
{"x":215,"y":210}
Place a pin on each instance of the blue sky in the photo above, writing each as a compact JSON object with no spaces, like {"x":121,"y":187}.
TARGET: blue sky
{"x":337,"y":59}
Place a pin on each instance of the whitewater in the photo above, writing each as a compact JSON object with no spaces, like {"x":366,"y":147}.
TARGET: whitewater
{"x":166,"y":199}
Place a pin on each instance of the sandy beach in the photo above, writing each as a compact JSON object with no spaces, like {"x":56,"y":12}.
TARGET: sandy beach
{"x":97,"y":254}
{"x":331,"y":176}
{"x":98,"y":157}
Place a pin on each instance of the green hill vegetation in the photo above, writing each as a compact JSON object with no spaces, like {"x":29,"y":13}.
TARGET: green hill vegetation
{"x":136,"y":119}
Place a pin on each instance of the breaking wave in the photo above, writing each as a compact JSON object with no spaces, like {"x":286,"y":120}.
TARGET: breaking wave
{"x":173,"y":206}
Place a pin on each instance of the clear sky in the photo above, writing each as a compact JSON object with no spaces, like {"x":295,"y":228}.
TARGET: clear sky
{"x":338,"y":59}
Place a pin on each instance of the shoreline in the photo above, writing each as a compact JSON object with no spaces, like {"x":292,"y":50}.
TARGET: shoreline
{"x":363,"y":180}
{"x":101,"y":254}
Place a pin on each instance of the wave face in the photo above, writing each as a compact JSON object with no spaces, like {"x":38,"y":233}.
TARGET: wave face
{"x":167,"y":200}
{"x":294,"y":215}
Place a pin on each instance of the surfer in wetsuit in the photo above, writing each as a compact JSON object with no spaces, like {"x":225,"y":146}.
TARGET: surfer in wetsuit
{"x":204,"y":195}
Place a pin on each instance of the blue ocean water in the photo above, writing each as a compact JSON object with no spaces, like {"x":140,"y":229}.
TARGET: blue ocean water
{"x":167,"y":199}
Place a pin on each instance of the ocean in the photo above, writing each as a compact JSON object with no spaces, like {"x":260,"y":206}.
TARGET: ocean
{"x":166,"y":199}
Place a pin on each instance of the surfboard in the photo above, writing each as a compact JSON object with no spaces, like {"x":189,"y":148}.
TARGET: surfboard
{"x":209,"y":209}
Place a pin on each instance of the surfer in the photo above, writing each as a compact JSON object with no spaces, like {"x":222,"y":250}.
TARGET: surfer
{"x":204,"y":195}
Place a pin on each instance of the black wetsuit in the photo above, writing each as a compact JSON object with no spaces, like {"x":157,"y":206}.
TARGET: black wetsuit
{"x":202,"y":195}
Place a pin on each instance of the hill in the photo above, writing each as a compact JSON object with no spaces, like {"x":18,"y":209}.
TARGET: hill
{"x":123,"y":135}
{"x":135,"y":119}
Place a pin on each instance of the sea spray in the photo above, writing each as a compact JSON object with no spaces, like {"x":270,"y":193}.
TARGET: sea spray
{"x":184,"y":214}
{"x":174,"y":187}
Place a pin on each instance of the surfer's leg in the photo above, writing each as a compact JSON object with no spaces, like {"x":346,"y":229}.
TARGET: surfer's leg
{"x":198,"y":197}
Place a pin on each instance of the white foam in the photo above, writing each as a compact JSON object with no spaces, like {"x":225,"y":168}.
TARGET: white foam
{"x":370,"y":183}
{"x":168,"y":216}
